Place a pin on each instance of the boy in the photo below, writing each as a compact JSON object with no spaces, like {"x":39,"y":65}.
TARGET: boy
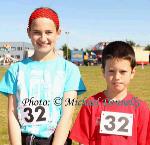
{"x":119,"y":117}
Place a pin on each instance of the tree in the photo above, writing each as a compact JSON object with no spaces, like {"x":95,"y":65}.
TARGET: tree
{"x":64,"y":48}
{"x":147,"y":47}
{"x":131,"y":43}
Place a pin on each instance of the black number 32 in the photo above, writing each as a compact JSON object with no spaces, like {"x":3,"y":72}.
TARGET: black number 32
{"x":30,"y":117}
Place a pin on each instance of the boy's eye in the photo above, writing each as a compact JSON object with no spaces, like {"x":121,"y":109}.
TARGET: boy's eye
{"x":111,"y":71}
{"x":123,"y":71}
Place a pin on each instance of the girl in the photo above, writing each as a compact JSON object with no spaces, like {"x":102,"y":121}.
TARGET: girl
{"x":37,"y":87}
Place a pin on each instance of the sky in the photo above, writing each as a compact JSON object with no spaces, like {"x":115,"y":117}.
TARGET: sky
{"x":87,"y":21}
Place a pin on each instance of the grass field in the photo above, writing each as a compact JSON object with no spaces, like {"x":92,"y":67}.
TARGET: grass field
{"x":92,"y":76}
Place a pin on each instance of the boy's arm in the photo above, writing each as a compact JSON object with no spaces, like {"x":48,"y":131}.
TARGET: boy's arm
{"x":13,"y":125}
{"x":64,"y":125}
{"x":148,"y":133}
{"x":142,"y":124}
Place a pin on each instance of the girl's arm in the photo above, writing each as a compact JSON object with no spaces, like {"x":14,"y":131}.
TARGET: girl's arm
{"x":13,"y":125}
{"x":64,"y":125}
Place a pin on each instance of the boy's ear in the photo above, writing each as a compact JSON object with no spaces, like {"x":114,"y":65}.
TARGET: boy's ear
{"x":103,"y":72}
{"x":133,"y":72}
{"x":28,"y":32}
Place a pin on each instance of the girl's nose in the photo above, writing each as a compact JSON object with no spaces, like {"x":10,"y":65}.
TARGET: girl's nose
{"x":43,"y":38}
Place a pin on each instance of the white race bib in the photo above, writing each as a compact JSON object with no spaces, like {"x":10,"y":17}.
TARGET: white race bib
{"x":116,"y":123}
{"x":34,"y":115}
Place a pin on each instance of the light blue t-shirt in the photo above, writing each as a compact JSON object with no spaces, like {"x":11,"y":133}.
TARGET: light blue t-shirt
{"x":39,"y":88}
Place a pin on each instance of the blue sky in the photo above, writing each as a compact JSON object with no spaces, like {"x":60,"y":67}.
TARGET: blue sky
{"x":87,"y":21}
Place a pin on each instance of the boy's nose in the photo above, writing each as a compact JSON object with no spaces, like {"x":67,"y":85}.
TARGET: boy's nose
{"x":117,"y":75}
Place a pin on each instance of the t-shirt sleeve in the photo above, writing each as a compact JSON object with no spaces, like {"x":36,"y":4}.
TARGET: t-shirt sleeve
{"x":81,"y":129}
{"x":143,"y":120}
{"x":8,"y":83}
{"x":74,"y":80}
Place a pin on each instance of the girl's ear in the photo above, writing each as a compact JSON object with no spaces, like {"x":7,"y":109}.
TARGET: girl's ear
{"x":59,"y":32}
{"x":28,"y":32}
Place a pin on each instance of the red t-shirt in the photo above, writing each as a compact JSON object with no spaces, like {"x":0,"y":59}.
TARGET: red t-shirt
{"x":87,"y":125}
{"x":148,"y":133}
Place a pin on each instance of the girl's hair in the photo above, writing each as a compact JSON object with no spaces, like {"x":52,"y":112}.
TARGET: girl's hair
{"x":118,"y":49}
{"x":44,"y":12}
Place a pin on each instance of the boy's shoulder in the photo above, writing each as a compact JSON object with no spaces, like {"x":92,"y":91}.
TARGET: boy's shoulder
{"x":140,"y":103}
{"x":93,"y":101}
{"x":98,"y":96}
{"x":130,"y":99}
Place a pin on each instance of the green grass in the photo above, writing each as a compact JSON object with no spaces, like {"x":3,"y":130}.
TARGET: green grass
{"x":3,"y":115}
{"x":94,"y":82}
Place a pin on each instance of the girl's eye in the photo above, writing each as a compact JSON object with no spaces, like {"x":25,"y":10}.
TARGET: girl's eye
{"x":48,"y":32}
{"x":36,"y":33}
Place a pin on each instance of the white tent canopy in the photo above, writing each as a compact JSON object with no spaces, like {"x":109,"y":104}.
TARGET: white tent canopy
{"x":7,"y":59}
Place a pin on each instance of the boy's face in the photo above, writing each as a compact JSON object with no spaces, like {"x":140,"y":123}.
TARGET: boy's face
{"x":43,"y":35}
{"x":118,"y":73}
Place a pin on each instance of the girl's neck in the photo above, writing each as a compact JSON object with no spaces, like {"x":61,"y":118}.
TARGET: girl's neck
{"x":44,"y":57}
{"x":116,"y":95}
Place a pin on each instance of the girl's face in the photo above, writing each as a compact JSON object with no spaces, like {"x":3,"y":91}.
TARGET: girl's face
{"x":118,"y":73}
{"x":43,"y":35}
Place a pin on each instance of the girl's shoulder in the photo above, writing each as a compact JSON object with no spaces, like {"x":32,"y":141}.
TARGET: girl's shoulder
{"x":67,"y":64}
{"x":15,"y":66}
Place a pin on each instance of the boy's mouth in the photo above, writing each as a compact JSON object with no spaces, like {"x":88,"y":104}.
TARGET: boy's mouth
{"x":117,"y":83}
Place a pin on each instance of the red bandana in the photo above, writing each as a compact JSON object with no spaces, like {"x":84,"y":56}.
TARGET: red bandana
{"x":46,"y":13}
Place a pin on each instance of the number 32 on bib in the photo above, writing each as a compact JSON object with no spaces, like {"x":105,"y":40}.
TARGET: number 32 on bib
{"x":116,"y":123}
{"x":35,"y":115}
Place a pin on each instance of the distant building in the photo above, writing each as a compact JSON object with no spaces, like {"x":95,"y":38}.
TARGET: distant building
{"x":142,"y":56}
{"x":11,"y":52}
{"x":16,"y":50}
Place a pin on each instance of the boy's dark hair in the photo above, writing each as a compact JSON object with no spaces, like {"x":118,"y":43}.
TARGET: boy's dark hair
{"x":118,"y":49}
